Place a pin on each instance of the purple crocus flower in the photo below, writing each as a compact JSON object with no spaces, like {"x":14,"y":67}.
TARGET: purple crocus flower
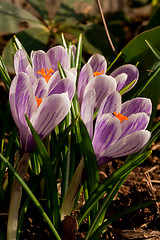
{"x":92,"y":75}
{"x":39,"y":92}
{"x":120,"y":129}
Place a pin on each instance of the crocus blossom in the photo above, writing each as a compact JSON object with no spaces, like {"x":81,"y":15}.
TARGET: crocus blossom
{"x":93,"y":75}
{"x":120,"y":129}
{"x":39,"y":92}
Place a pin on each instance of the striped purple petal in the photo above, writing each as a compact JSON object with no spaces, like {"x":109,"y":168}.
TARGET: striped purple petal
{"x":103,"y":86}
{"x":58,"y":54}
{"x":22,"y":101}
{"x":86,"y":74}
{"x":40,"y":60}
{"x":42,"y":88}
{"x":135,"y":122}
{"x":110,"y":104}
{"x":55,"y":78}
{"x":137,"y":105}
{"x":121,"y":79}
{"x":21,"y":64}
{"x":87,"y":110}
{"x":50,"y":113}
{"x":128,"y":144}
{"x":107,"y":131}
{"x":20,"y":61}
{"x":19,"y":95}
{"x":63,"y":86}
{"x":132,"y":73}
{"x":98,"y":63}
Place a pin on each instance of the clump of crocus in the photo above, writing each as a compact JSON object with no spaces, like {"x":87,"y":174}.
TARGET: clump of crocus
{"x":120,"y":129}
{"x":39,"y":92}
{"x":44,"y":95}
{"x":93,"y":75}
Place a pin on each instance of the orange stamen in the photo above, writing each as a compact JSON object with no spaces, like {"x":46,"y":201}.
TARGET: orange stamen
{"x":120,"y":116}
{"x":98,"y":73}
{"x":47,"y":75}
{"x":39,"y":101}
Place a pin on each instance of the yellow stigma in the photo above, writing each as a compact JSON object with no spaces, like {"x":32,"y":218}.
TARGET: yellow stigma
{"x":46,"y":73}
{"x":120,"y":116}
{"x":39,"y":101}
{"x":98,"y":73}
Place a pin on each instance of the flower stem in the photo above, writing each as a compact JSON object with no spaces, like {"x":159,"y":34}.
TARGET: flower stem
{"x":15,"y":201}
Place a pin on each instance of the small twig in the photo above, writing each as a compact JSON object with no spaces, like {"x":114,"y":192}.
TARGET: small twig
{"x":153,"y":181}
{"x":151,"y":169}
{"x":105,"y":26}
{"x":149,"y":182}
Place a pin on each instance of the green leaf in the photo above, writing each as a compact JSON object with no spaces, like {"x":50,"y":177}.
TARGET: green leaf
{"x":138,"y":51}
{"x":31,"y":195}
{"x":154,"y":20}
{"x":62,"y":140}
{"x":78,"y":55}
{"x":96,"y":234}
{"x":91,"y":43}
{"x":34,"y":164}
{"x":147,"y":82}
{"x":70,"y":11}
{"x":92,"y":173}
{"x":154,"y":50}
{"x":103,"y":207}
{"x":49,"y":176}
{"x":69,"y":198}
{"x":155,"y":134}
{"x":31,"y":39}
{"x":110,"y":182}
{"x":4,"y":74}
{"x":113,"y":62}
{"x":61,"y":71}
{"x":64,"y":42}
{"x":13,"y":18}
{"x":40,"y":7}
{"x":123,"y":90}
{"x":70,"y":54}
{"x":24,"y":209}
{"x":1,"y":236}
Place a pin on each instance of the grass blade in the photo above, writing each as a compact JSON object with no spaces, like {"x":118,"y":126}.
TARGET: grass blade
{"x":49,"y":176}
{"x":92,"y":173}
{"x":78,"y":55}
{"x":31,"y":195}
{"x":4,"y":74}
{"x":109,"y":182}
{"x":145,"y":84}
{"x":99,"y":230}
{"x":154,"y":50}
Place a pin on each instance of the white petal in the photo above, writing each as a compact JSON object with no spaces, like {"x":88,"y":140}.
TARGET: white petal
{"x":128,"y":145}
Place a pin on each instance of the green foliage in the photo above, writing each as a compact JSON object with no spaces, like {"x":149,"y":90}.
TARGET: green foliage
{"x":14,"y":18}
{"x":31,"y":38}
{"x":138,"y":51}
{"x":31,"y":195}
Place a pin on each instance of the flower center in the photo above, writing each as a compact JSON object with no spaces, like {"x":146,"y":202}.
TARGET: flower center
{"x":46,"y":73}
{"x":39,"y":101}
{"x":120,"y":116}
{"x":98,"y":73}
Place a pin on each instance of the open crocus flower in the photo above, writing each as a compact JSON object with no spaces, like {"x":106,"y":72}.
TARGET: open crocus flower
{"x":40,"y":93}
{"x":93,"y":75}
{"x":120,"y":129}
